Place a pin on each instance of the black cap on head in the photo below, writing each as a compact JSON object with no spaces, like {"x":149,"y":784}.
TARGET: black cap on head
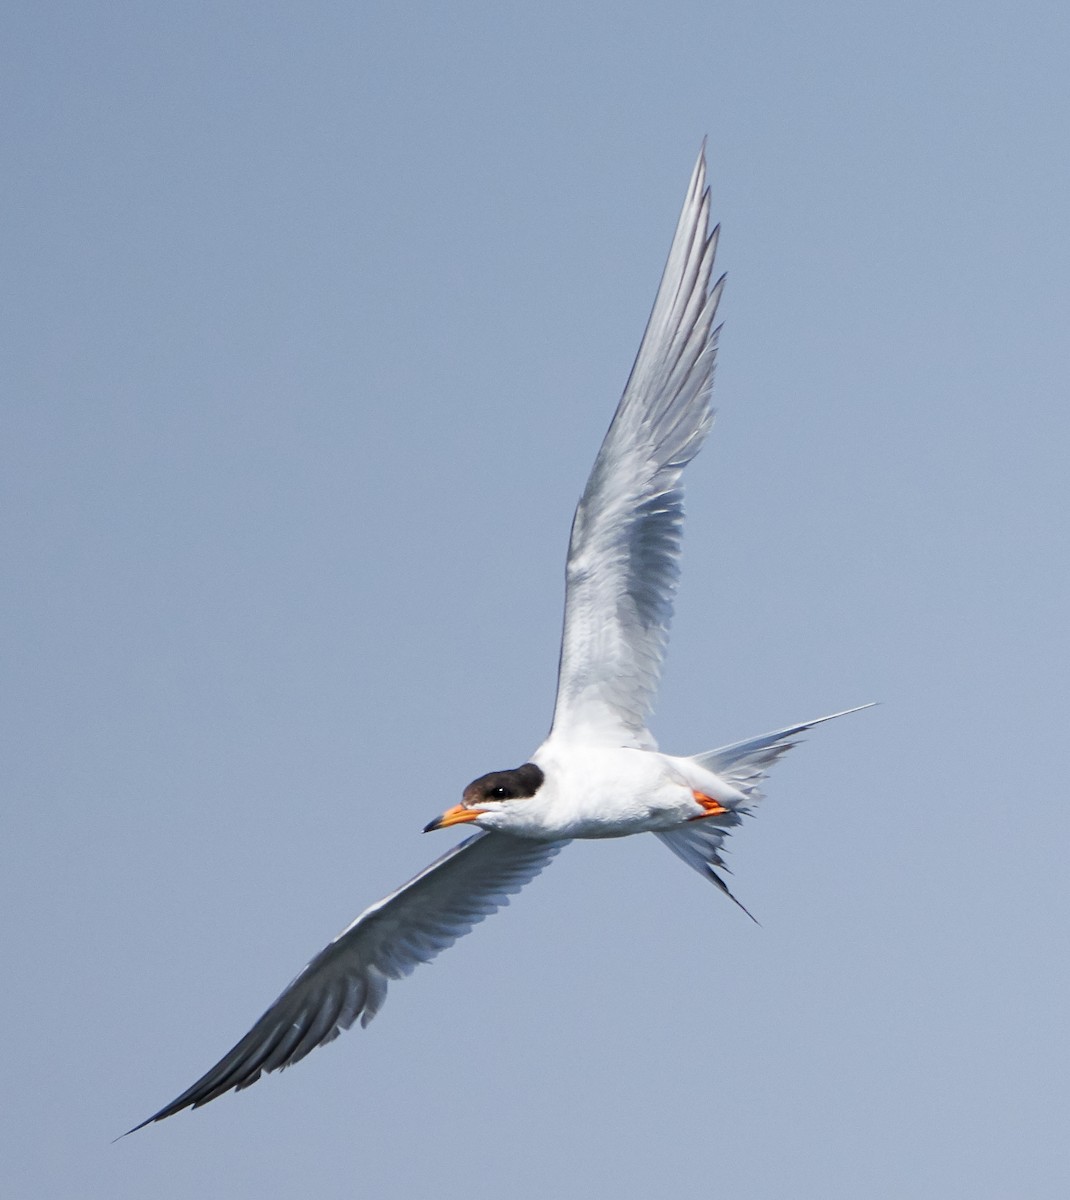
{"x":517,"y":784}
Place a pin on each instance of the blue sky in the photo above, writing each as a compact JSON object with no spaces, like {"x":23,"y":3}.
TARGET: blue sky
{"x":315,"y":318}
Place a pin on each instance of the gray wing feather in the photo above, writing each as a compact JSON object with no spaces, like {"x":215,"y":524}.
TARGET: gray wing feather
{"x":623,"y":558}
{"x":349,"y":977}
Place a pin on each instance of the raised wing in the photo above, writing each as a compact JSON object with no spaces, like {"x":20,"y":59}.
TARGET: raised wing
{"x":623,"y":557}
{"x":348,"y":978}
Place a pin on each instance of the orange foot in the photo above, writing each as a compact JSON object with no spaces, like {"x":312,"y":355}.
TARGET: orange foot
{"x":713,"y":807}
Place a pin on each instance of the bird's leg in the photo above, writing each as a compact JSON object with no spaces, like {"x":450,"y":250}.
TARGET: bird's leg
{"x":713,"y":808}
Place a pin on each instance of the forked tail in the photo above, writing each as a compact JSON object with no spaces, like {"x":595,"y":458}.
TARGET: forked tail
{"x":744,"y":766}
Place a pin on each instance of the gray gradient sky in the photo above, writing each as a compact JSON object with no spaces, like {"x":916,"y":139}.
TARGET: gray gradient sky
{"x":315,"y":317}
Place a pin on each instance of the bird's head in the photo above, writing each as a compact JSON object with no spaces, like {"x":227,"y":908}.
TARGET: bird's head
{"x":486,"y":800}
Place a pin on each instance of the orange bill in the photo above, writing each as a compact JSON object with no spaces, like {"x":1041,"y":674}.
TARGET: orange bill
{"x":456,"y":815}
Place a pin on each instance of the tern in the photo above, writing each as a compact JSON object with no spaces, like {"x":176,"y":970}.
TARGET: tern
{"x":599,"y":773}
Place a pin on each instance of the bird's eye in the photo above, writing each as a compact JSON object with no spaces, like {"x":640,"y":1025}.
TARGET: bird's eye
{"x":499,"y":793}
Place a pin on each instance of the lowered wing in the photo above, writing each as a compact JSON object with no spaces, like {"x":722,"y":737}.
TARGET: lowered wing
{"x":349,"y":977}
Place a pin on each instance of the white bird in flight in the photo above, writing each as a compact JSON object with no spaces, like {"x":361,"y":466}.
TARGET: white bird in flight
{"x":599,"y":773}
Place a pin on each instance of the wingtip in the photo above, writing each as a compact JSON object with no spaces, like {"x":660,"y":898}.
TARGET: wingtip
{"x":168,"y":1110}
{"x":147,"y":1121}
{"x":698,"y":174}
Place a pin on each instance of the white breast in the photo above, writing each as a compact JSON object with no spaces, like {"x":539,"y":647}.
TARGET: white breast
{"x":597,"y":792}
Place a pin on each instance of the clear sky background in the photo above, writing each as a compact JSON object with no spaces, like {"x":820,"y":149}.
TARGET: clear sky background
{"x":315,"y":316}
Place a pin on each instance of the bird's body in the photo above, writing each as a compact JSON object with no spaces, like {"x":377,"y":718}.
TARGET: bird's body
{"x":607,"y":792}
{"x":599,"y":773}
